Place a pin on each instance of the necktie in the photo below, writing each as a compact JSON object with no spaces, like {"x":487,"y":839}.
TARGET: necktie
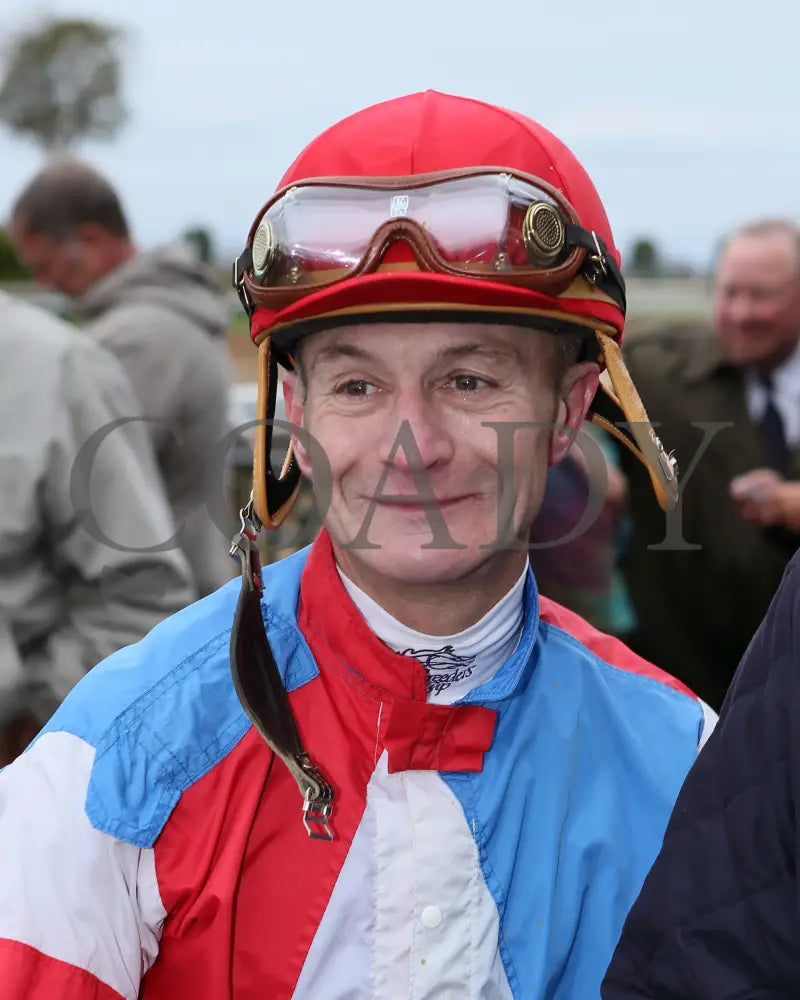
{"x":773,"y":437}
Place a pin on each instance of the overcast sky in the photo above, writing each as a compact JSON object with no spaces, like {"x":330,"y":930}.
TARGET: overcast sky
{"x":684,"y":112}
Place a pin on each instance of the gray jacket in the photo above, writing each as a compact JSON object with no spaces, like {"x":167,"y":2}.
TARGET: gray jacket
{"x":164,"y":317}
{"x":75,"y":584}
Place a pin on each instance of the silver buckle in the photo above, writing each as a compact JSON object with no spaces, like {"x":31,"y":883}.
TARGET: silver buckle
{"x":668,"y":461}
{"x":598,"y":261}
{"x":318,"y":815}
{"x":245,"y":544}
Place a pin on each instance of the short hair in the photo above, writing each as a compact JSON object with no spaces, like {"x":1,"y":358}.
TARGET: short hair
{"x":762,"y":227}
{"x":570,"y":349}
{"x":65,"y":194}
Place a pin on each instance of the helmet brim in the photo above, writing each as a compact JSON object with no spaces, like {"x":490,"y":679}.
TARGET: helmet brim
{"x":401,"y":295}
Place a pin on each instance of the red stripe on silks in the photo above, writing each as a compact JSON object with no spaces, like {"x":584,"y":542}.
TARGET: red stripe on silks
{"x":243,"y":884}
{"x":27,"y":974}
{"x":607,"y":647}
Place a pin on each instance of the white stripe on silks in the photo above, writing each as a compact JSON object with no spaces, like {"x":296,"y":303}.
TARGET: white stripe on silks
{"x":410,"y":914}
{"x":66,"y":889}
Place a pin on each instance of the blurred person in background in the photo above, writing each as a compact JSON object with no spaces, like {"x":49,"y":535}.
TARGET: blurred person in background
{"x":580,"y":533}
{"x":728,"y":402}
{"x":77,"y":581}
{"x":764,"y":497}
{"x":163,"y":315}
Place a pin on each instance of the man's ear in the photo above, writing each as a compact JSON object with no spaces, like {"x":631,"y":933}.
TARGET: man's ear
{"x":577,"y":390}
{"x":293,"y":396}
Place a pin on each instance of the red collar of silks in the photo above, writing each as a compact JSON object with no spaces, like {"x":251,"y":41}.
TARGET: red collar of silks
{"x":417,"y":735}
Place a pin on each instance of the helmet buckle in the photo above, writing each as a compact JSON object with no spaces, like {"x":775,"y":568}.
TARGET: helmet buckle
{"x":596,"y":263}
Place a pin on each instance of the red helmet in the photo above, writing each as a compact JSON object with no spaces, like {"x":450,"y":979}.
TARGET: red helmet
{"x":434,"y":205}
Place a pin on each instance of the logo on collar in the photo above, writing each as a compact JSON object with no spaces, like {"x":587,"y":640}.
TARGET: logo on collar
{"x":443,"y":666}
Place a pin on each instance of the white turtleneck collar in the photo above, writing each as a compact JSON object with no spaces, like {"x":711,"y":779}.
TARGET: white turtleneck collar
{"x":454,"y":664}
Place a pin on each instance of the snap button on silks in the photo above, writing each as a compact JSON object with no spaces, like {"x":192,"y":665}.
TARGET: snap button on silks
{"x":431,"y":916}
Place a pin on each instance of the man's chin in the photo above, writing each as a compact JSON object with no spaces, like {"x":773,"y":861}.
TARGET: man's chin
{"x":749,"y":350}
{"x":411,"y":547}
{"x":418,"y":561}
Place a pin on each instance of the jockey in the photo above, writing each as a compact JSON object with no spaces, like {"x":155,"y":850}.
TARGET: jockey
{"x":384,"y":766}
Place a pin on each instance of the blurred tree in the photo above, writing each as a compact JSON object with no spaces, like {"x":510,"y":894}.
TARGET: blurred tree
{"x":11,"y":267}
{"x":62,"y":82}
{"x":645,"y":260}
{"x":202,"y":242}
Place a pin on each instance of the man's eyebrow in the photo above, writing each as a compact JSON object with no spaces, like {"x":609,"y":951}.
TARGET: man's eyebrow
{"x":491,"y":350}
{"x":337,"y":352}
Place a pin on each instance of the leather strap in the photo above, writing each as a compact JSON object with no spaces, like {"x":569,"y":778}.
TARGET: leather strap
{"x":634,"y":430}
{"x":260,"y":689}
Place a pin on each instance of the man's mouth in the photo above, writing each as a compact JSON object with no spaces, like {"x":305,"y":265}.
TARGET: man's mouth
{"x":414,"y":502}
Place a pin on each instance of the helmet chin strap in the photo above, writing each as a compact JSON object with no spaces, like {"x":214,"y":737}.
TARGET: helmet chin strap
{"x":256,"y":676}
{"x":259,"y":685}
{"x":273,"y":496}
{"x":634,"y":430}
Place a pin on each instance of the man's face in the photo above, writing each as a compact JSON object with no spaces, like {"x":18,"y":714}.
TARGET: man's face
{"x":69,"y":266}
{"x":424,"y":482}
{"x":757,"y":299}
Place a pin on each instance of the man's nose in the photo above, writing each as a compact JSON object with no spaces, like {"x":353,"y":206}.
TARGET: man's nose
{"x":739,"y":308}
{"x":415,"y":436}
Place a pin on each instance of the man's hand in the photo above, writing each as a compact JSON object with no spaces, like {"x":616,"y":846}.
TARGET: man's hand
{"x":763,"y":497}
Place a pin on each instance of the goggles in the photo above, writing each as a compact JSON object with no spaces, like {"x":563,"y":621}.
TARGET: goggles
{"x":492,"y":223}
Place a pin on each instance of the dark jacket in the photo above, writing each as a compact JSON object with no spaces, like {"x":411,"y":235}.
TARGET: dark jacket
{"x":700,"y":597}
{"x":718,"y":917}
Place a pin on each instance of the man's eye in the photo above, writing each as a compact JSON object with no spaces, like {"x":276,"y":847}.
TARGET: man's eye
{"x":356,"y":387}
{"x":467,"y":383}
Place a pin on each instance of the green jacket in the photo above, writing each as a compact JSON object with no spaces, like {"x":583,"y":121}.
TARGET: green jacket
{"x":700,"y":596}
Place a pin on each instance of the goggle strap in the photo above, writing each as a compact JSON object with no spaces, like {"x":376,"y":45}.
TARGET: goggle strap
{"x":244,"y":262}
{"x":600,"y":268}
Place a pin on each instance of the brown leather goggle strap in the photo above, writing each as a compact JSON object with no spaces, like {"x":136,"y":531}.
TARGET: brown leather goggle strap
{"x":635,"y":432}
{"x":273,"y":496}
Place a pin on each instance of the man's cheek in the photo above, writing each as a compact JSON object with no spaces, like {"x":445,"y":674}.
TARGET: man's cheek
{"x":303,"y":459}
{"x":342,"y":461}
